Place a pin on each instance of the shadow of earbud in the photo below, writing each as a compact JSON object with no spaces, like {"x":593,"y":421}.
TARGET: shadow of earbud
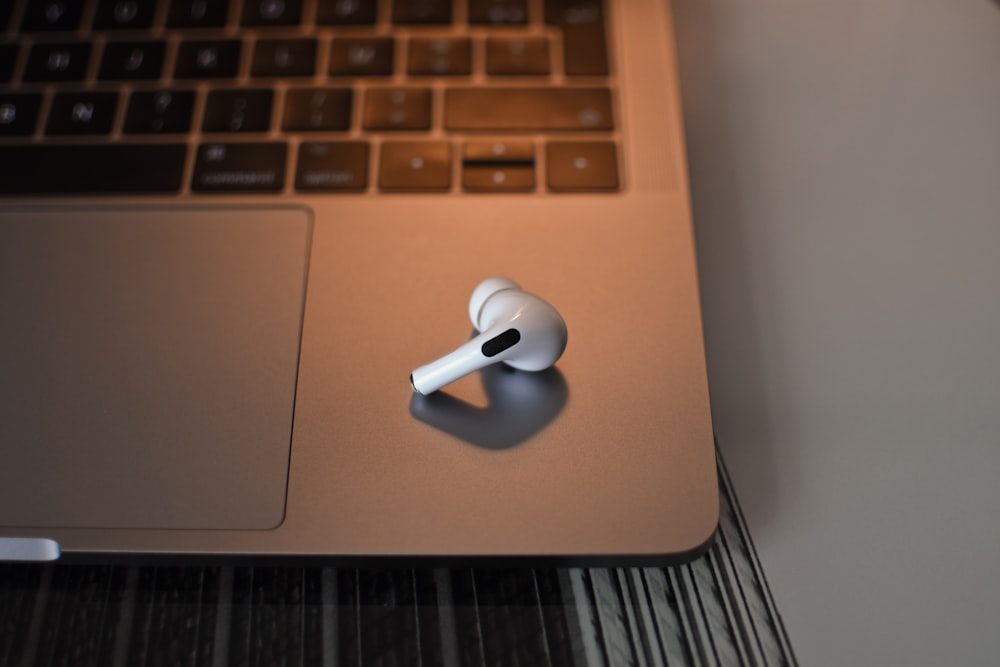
{"x":519,"y":405}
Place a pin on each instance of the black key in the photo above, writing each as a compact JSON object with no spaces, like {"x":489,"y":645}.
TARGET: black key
{"x":238,"y":111}
{"x":91,"y":169}
{"x":52,"y":15}
{"x":361,"y":56}
{"x":240,"y":168}
{"x":217,"y":59}
{"x":398,"y":109}
{"x":317,"y":109}
{"x":82,"y":113}
{"x":585,"y":49}
{"x":57,"y":62}
{"x":575,"y":166}
{"x":421,"y":12}
{"x":19,"y":114}
{"x":573,"y":12}
{"x":198,"y":13}
{"x":517,"y":55}
{"x":132,"y":61}
{"x":346,"y":12}
{"x":8,"y":56}
{"x":440,"y":56}
{"x":284,"y":57}
{"x":124,"y":14}
{"x":325,"y":166}
{"x":498,"y":178}
{"x":267,"y":13}
{"x":527,"y":109}
{"x":159,"y":112}
{"x":498,"y":166}
{"x":415,"y":165}
{"x":498,"y":12}
{"x":498,"y":152}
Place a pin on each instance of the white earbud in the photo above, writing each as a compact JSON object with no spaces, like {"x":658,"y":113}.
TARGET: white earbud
{"x":515,"y":327}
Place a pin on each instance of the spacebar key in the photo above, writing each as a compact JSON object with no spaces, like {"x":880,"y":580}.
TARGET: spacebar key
{"x":526,"y":109}
{"x":92,"y":169}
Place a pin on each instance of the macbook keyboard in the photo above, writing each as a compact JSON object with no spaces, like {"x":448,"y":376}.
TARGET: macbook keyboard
{"x":306,"y":96}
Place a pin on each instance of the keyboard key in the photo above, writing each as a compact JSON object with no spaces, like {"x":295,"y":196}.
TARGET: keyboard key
{"x":361,"y":56}
{"x":19,"y":114}
{"x":498,"y":12}
{"x":498,"y":166}
{"x":284,"y":57}
{"x":8,"y":56}
{"x":219,"y":59}
{"x":528,"y":109}
{"x":238,"y":111}
{"x":421,"y":12}
{"x":124,"y":14}
{"x":346,"y":12}
{"x":159,"y":112}
{"x":124,"y":61}
{"x":317,"y":110}
{"x":57,"y":62}
{"x":575,"y":166}
{"x":269,"y":13}
{"x":52,"y":15}
{"x":92,"y":169}
{"x":498,"y":178}
{"x":398,"y":109}
{"x":517,"y":55}
{"x":82,"y":113}
{"x":498,"y":152}
{"x":440,"y":56}
{"x":415,"y":165}
{"x":573,"y":12}
{"x":198,"y":13}
{"x":585,"y":49}
{"x":240,"y":168}
{"x":325,"y":166}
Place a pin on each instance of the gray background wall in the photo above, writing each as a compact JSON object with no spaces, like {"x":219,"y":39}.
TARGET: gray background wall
{"x":845,"y":161}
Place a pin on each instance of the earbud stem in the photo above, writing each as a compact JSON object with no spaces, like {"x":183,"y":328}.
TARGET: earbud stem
{"x":464,"y":360}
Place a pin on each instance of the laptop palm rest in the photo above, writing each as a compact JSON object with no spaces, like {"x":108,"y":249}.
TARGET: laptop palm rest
{"x":154,"y":356}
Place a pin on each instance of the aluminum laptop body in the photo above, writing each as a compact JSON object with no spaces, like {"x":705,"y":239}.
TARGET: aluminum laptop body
{"x":206,"y":352}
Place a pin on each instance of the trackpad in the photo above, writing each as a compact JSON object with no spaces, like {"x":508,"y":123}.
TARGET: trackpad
{"x":149,"y":359}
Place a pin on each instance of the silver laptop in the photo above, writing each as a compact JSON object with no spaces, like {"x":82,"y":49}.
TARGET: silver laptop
{"x":230,"y":230}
